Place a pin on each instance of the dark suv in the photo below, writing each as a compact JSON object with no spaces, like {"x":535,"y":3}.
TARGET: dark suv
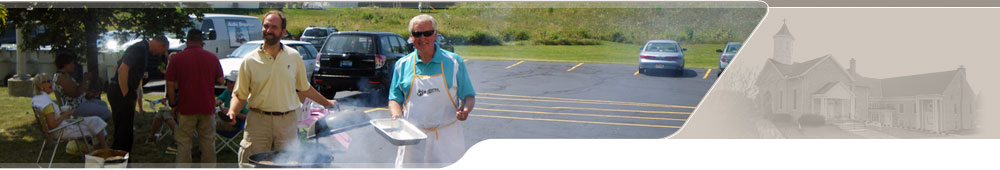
{"x":358,"y":60}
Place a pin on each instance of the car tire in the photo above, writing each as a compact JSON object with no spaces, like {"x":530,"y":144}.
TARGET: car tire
{"x":642,"y":71}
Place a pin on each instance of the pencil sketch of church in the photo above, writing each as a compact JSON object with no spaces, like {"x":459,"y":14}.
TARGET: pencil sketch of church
{"x":936,"y":102}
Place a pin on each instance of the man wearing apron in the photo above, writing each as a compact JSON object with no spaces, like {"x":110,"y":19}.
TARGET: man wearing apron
{"x":425,"y":90}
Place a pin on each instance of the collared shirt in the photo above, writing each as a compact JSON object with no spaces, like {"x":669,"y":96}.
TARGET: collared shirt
{"x":402,"y":76}
{"x":195,"y":71}
{"x":270,"y":84}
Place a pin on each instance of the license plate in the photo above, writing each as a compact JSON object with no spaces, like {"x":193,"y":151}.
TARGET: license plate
{"x":659,"y":66}
{"x":314,"y":41}
{"x":345,"y":63}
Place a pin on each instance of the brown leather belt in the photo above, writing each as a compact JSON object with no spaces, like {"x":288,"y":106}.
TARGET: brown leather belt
{"x":272,"y":113}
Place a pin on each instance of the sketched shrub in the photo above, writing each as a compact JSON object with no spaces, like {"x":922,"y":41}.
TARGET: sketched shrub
{"x":812,"y":120}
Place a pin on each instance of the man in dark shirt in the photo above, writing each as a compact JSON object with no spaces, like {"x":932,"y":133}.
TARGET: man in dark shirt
{"x":196,"y":71}
{"x":121,"y":92}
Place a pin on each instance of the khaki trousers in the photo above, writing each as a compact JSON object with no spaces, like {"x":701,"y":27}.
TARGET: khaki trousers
{"x":266,"y":133}
{"x":205,"y":125}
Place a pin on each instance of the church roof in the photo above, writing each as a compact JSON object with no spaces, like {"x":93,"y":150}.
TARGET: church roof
{"x":796,"y":69}
{"x":929,"y":83}
{"x":784,"y":31}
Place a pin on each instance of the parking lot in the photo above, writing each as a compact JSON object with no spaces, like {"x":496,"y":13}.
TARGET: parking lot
{"x":547,"y":100}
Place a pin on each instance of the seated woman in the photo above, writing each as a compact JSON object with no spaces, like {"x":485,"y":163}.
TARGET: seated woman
{"x":54,"y":116}
{"x":73,"y":93}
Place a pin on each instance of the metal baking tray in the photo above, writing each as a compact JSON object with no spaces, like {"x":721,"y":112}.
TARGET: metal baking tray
{"x":399,"y":132}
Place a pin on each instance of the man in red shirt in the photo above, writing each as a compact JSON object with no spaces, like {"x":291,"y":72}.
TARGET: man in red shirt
{"x":193,"y":74}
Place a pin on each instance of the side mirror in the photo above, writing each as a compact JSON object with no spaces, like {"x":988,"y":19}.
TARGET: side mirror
{"x":718,"y":50}
{"x":211,"y":34}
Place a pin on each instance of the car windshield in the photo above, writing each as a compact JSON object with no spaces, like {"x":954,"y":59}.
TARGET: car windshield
{"x":243,"y":50}
{"x":733,"y":48}
{"x":661,"y":47}
{"x":348,"y":43}
{"x":315,"y":33}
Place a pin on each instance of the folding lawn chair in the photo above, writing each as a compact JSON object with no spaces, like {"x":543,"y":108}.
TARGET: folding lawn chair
{"x":228,"y":139}
{"x":50,"y":134}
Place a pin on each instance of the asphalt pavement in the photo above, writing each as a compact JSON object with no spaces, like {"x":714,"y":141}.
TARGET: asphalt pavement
{"x":547,"y":100}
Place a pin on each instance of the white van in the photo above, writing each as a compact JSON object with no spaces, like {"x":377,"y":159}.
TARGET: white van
{"x":225,"y":32}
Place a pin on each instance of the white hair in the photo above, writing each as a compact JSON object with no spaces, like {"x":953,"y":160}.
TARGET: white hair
{"x":423,"y":18}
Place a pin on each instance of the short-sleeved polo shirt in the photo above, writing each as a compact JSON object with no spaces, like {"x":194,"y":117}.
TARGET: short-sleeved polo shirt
{"x":402,"y":76}
{"x":195,"y":72}
{"x":271,"y":84}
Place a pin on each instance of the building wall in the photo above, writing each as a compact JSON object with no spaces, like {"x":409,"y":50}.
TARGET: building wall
{"x":824,"y":73}
{"x":957,"y":106}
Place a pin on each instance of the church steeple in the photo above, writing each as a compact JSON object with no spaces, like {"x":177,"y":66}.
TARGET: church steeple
{"x":783,"y":42}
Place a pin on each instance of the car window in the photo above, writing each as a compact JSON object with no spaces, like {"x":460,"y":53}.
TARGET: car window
{"x":349,"y":43}
{"x":733,"y":48}
{"x":207,"y":24}
{"x":243,"y":50}
{"x":304,"y":51}
{"x":315,"y":33}
{"x":661,"y":47}
{"x":386,"y":45}
{"x":396,"y":47}
{"x":402,"y":44}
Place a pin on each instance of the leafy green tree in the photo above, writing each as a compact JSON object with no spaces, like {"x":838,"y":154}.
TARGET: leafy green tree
{"x":75,"y":27}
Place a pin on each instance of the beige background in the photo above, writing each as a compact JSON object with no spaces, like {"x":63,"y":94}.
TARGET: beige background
{"x":886,"y":42}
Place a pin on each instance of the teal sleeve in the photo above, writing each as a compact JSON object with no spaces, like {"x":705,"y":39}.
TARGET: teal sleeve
{"x":397,"y":79}
{"x":465,"y":88}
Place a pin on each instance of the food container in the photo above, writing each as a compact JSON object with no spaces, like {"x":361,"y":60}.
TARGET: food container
{"x":399,"y":131}
{"x":106,"y":158}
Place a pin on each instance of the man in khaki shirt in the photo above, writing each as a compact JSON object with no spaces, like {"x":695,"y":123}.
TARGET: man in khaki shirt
{"x":271,"y":79}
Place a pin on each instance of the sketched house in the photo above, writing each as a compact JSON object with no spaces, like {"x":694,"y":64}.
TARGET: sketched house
{"x":935,"y":102}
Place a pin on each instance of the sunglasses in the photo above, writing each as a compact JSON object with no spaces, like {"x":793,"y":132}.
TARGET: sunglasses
{"x":424,"y":34}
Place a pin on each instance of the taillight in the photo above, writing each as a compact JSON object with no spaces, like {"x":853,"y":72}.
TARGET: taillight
{"x":379,"y":61}
{"x":646,"y":56}
{"x":673,"y":58}
{"x":317,"y":60}
{"x":374,"y":82}
{"x":723,"y":59}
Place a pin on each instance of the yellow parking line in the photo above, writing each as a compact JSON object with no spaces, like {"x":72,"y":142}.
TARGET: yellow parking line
{"x":706,"y":74}
{"x":594,"y":101}
{"x":577,"y":121}
{"x":574,"y":67}
{"x":583,"y":108}
{"x":375,"y":109}
{"x":582,"y":114}
{"x":515,"y":64}
{"x":636,"y":73}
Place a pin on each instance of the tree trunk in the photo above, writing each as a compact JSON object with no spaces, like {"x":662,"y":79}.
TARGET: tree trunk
{"x":90,"y":25}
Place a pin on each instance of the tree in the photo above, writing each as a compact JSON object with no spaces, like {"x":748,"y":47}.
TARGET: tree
{"x":74,"y":28}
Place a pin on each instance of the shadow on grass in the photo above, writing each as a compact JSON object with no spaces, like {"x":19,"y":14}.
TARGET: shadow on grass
{"x":20,"y":146}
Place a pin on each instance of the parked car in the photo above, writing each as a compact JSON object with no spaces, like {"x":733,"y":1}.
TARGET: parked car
{"x":232,"y":62}
{"x":358,"y":60}
{"x":727,"y":55}
{"x":316,"y":35}
{"x":661,"y":54}
{"x":441,"y":42}
{"x":224,"y":33}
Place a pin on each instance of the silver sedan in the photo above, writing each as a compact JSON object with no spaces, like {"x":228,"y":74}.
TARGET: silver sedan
{"x":661,"y":54}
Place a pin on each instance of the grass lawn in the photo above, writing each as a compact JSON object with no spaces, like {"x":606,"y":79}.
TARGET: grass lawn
{"x":20,"y":138}
{"x":697,"y":55}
